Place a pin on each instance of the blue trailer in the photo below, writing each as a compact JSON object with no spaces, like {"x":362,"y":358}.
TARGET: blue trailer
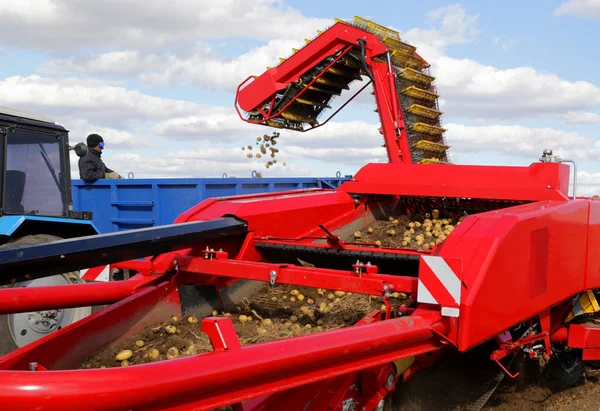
{"x":118,"y":205}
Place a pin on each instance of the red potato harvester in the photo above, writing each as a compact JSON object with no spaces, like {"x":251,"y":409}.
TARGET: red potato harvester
{"x":521,"y":237}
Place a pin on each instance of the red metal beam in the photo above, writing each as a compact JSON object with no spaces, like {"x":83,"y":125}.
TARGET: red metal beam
{"x":22,"y":300}
{"x":207,"y":381}
{"x":372,"y":284}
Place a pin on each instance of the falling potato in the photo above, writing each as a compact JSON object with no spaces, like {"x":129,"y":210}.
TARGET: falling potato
{"x":284,"y":164}
{"x":249,"y":147}
{"x":243,"y":148}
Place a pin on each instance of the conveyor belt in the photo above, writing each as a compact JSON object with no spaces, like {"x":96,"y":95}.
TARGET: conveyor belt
{"x":25,"y":263}
{"x":389,"y":263}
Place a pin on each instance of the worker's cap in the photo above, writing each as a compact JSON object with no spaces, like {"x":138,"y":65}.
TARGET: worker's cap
{"x":94,"y":139}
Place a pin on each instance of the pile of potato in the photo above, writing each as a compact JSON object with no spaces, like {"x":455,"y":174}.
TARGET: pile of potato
{"x":265,"y":144}
{"x":275,"y":312}
{"x":422,"y":233}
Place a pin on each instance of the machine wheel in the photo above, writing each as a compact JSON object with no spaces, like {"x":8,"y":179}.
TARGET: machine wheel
{"x":565,"y":370}
{"x":17,"y":330}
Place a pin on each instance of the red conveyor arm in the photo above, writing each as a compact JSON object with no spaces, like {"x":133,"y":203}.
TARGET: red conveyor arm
{"x":297,"y":91}
{"x":211,"y":380}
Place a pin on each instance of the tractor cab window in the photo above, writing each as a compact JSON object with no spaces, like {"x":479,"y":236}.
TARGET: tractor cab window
{"x":33,"y":176}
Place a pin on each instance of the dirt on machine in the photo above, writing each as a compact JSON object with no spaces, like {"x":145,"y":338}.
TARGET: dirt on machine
{"x":417,"y":284}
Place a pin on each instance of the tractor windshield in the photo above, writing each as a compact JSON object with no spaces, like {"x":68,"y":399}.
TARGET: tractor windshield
{"x":34,"y":174}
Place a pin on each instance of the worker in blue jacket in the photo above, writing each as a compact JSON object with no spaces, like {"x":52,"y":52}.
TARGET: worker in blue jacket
{"x":91,"y":166}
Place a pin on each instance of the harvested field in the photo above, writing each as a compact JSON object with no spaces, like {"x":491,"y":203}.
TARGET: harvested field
{"x":273,"y":313}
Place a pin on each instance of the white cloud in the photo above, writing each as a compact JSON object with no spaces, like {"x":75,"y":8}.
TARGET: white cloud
{"x":143,"y":25}
{"x":579,"y":8}
{"x":90,"y":99}
{"x":520,"y":141}
{"x":468,"y":88}
{"x":581,"y":117}
{"x":587,"y":178}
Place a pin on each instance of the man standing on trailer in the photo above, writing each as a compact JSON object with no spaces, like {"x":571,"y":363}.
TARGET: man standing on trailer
{"x":91,"y":166}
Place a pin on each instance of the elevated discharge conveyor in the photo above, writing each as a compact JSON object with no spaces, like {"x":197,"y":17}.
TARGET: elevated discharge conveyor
{"x":295,"y":94}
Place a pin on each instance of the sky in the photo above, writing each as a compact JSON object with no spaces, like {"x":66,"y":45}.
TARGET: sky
{"x":157,"y":80}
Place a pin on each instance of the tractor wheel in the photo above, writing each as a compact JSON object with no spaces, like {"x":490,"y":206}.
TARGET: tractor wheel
{"x":17,"y":330}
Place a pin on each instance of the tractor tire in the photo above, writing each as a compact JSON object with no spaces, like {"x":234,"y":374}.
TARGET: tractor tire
{"x":17,"y":330}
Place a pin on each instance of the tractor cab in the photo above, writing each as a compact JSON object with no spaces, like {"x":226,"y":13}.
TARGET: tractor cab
{"x":35,"y":172}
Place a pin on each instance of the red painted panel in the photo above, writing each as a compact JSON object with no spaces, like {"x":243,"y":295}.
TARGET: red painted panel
{"x":501,"y":290}
{"x":592,"y":277}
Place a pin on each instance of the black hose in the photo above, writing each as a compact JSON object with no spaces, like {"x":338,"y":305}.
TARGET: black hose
{"x":363,"y":57}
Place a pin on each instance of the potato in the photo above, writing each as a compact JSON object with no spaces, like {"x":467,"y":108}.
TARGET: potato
{"x":404,"y":243}
{"x":153,"y":354}
{"x":310,"y":301}
{"x":370,"y":230}
{"x":330,"y":296}
{"x":357,"y":234}
{"x":432,"y":244}
{"x":321,"y":291}
{"x":391,"y":233}
{"x":378,"y":243}
{"x":124,"y":355}
{"x":284,"y":297}
{"x":395,"y":222}
{"x":139,"y":343}
{"x":215,"y":313}
{"x":412,"y":230}
{"x":383,"y":308}
{"x":300,"y":297}
{"x":293,"y":318}
{"x":124,"y":363}
{"x":228,"y":315}
{"x":261,"y":331}
{"x":174,"y":319}
{"x":294,"y":292}
{"x":435,"y":213}
{"x":336,"y":299}
{"x":426,"y":246}
{"x":243,"y":319}
{"x":395,"y":294}
{"x":190,"y":350}
{"x":170,"y":329}
{"x":267,"y":322}
{"x":339,"y":293}
{"x":292,"y":299}
{"x":391,"y":218}
{"x":417,"y":224}
{"x":192,"y":320}
{"x":308,"y":326}
{"x":172,"y":352}
{"x":322,"y":306}
{"x":320,"y":322}
{"x":250,"y":318}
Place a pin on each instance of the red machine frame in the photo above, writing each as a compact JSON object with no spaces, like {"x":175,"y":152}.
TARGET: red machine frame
{"x":509,"y":263}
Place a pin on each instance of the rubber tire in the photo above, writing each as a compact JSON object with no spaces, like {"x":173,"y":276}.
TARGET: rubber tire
{"x":7,"y":343}
{"x":566,"y":375}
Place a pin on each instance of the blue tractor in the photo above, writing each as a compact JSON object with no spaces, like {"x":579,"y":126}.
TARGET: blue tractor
{"x":36,"y":207}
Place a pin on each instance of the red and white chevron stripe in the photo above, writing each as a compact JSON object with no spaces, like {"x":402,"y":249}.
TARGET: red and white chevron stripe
{"x":440,"y":284}
{"x":101,"y":273}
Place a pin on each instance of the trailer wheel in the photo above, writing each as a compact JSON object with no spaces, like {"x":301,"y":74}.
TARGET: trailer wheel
{"x":17,"y":330}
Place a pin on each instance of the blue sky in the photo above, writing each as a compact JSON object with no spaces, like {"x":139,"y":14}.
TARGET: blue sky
{"x":157,"y":80}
